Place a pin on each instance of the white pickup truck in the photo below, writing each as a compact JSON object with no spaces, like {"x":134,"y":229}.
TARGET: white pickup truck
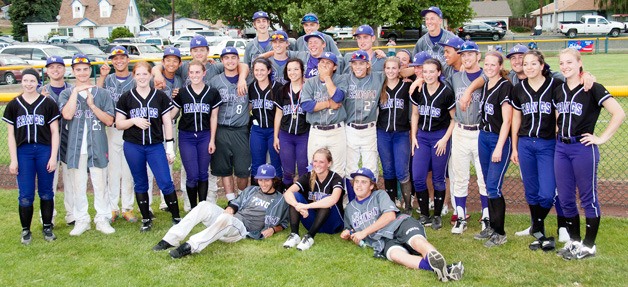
{"x":591,"y":24}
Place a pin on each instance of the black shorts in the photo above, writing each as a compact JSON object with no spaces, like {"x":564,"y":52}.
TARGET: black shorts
{"x":233,"y":153}
{"x":408,"y":229}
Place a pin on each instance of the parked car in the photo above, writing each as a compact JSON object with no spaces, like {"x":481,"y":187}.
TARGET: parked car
{"x":36,"y":54}
{"x":239,"y":44}
{"x":211,"y":35}
{"x":480,"y":30}
{"x":496,"y":23}
{"x":394,"y":33}
{"x":10,"y":77}
{"x":8,"y":40}
{"x":148,"y":52}
{"x":186,"y":38}
{"x":101,"y":43}
{"x":92,"y":52}
{"x":127,"y":40}
{"x":3,"y":44}
{"x":340,"y":33}
{"x":591,"y":24}
{"x":159,"y":42}
{"x":184,"y":48}
{"x":55,"y":40}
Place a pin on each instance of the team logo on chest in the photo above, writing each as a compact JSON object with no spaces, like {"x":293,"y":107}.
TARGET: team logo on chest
{"x":393,"y":103}
{"x":355,"y":93}
{"x":426,"y":110}
{"x":535,"y":107}
{"x":489,"y":109}
{"x":25,"y":120}
{"x":362,"y":218}
{"x":569,"y":107}
{"x":144,"y":112}
{"x":191,"y":108}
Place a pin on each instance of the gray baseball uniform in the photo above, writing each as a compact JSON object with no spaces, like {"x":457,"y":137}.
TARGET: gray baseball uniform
{"x":254,"y":49}
{"x":459,"y":83}
{"x":377,"y":64}
{"x":259,"y":211}
{"x":330,"y":45}
{"x":211,"y":70}
{"x":362,"y":97}
{"x":436,"y":51}
{"x":234,"y":111}
{"x":116,"y":88}
{"x":315,"y":90}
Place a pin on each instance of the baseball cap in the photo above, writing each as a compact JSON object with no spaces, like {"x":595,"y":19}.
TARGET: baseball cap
{"x":279,"y":35}
{"x":364,"y":172}
{"x":359,"y":55}
{"x":172,"y":51}
{"x":316,"y":34}
{"x":330,"y":56}
{"x":364,"y":30}
{"x":229,"y":50}
{"x":517,"y":49}
{"x":434,"y":10}
{"x":198,"y":41}
{"x":309,"y":17}
{"x":419,"y":59}
{"x":265,"y":171}
{"x":117,"y":50}
{"x":54,"y":60}
{"x":80,"y":59}
{"x":260,"y":14}
{"x":454,"y":42}
{"x":469,"y":46}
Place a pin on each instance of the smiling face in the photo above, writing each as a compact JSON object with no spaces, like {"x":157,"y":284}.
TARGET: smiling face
{"x":29,"y":84}
{"x":570,"y":64}
{"x":404,"y":58}
{"x":365,"y":42}
{"x":261,"y":72}
{"x":82,"y":72}
{"x":430,"y":73}
{"x":362,"y":186}
{"x":261,"y":25}
{"x":230,"y":62}
{"x":451,"y":55}
{"x":433,"y":23}
{"x":418,"y":71}
{"x":266,"y":185}
{"x":532,"y":66}
{"x":294,"y":71}
{"x":516,"y":63}
{"x":280,"y":46}
{"x":316,"y":46}
{"x":200,"y":53}
{"x":391,"y":69}
{"x":196,"y":73}
{"x":360,"y":68}
{"x":55,"y":71}
{"x":120,"y":63}
{"x":325,"y":63}
{"x":171,"y":63}
{"x":142,"y":76}
{"x":320,"y":163}
{"x":492,"y":67}
{"x":470,"y":60}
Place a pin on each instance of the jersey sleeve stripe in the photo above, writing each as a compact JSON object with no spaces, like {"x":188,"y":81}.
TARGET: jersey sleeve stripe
{"x":8,"y":121}
{"x":121,"y":111}
{"x":604,"y":99}
{"x":218,"y":104}
{"x":300,"y":186}
{"x":176,"y":105}
{"x":54,"y":119}
{"x":167,"y":110}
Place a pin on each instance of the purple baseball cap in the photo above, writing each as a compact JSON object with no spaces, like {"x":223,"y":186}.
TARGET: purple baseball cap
{"x":172,"y":51}
{"x":117,"y":50}
{"x":229,"y":50}
{"x":260,"y":14}
{"x":454,"y":42}
{"x":265,"y":171}
{"x":198,"y":41}
{"x":316,"y":34}
{"x":364,"y":172}
{"x":434,"y":10}
{"x":359,"y":55}
{"x":419,"y":59}
{"x":80,"y":59}
{"x":469,"y":46}
{"x":517,"y":49}
{"x":54,"y":60}
{"x":330,"y":56}
{"x":364,"y":30}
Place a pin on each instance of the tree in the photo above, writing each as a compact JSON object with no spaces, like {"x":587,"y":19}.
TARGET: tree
{"x":120,"y":32}
{"x":617,"y":6}
{"x":162,"y":7}
{"x":520,"y":8}
{"x":24,"y":11}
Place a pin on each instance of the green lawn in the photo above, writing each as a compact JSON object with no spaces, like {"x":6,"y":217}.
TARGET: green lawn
{"x":125,"y":258}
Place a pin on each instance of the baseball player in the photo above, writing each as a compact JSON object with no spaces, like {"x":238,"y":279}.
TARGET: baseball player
{"x":316,"y":201}
{"x":310,"y":24}
{"x":280,"y":56}
{"x":494,"y":145}
{"x":143,"y":113}
{"x":33,"y":141}
{"x":261,"y":42}
{"x":433,"y":17}
{"x":258,"y":212}
{"x":577,"y":154}
{"x":291,"y":128}
{"x":365,"y":37}
{"x":453,"y":61}
{"x":233,"y":154}
{"x":371,"y":219}
{"x":316,"y":45}
{"x":87,"y":110}
{"x":198,"y":104}
{"x":431,"y":128}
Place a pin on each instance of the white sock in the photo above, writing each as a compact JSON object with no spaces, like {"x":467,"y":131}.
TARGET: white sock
{"x":484,"y":212}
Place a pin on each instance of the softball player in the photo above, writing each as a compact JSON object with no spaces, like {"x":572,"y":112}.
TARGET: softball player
{"x":371,"y":219}
{"x":33,"y":141}
{"x":261,"y":43}
{"x":143,"y":113}
{"x":233,"y":154}
{"x":316,"y":201}
{"x":577,"y":154}
{"x":198,"y":104}
{"x":533,"y":142}
{"x":405,"y":58}
{"x":393,"y":132}
{"x":494,"y":144}
{"x":365,"y":37}
{"x":258,"y":212}
{"x":87,"y":110}
{"x":310,"y":24}
{"x":432,"y":113}
{"x":435,"y":34}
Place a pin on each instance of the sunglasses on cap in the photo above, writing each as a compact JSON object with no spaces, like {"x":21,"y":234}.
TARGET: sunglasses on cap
{"x":309,"y":18}
{"x":80,"y":60}
{"x":277,"y":37}
{"x":358,"y":56}
{"x":118,"y":52}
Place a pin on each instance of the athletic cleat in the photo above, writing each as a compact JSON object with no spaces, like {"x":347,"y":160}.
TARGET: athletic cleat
{"x":567,"y":248}
{"x":129,"y":216}
{"x":454,"y":218}
{"x":438,"y":264}
{"x":162,"y":245}
{"x":571,"y":252}
{"x":563,"y":234}
{"x":455,"y":271}
{"x":292,"y":241}
{"x":26,"y":237}
{"x":80,"y":228}
{"x":524,"y":232}
{"x":104,"y":227}
{"x":305,"y":243}
{"x":48,"y":234}
{"x":535,"y":245}
{"x":71,"y":223}
{"x":437,"y":223}
{"x":176,"y":221}
{"x":485,"y":222}
{"x":495,"y":240}
{"x":425,"y":220}
{"x":484,"y":234}
{"x":460,"y":227}
{"x":183,"y":250}
{"x":585,"y":252}
{"x":548,"y":244}
{"x":114,"y":215}
{"x":147,"y":225}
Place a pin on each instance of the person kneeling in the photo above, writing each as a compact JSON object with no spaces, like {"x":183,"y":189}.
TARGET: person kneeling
{"x":258,"y":212}
{"x":372,"y":219}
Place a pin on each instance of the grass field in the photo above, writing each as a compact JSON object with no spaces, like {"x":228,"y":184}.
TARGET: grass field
{"x":125,"y":258}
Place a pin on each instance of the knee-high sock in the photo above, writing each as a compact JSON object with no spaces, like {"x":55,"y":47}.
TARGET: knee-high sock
{"x":142,"y":203}
{"x":173,"y":204}
{"x":47,"y":208}
{"x":461,"y":207}
{"x":439,"y":201}
{"x":26,"y":216}
{"x":573,"y":227}
{"x":406,"y":192}
{"x":593,"y":224}
{"x":391,"y":188}
{"x":498,"y":214}
{"x":295,"y":217}
{"x":349,"y":189}
{"x":202,"y":188}
{"x":484,"y":202}
{"x":192,"y":194}
{"x":321,"y":216}
{"x":424,"y":202}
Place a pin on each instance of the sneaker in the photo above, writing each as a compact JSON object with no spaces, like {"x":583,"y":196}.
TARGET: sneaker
{"x":454,"y":218}
{"x":437,"y":223}
{"x":292,"y":241}
{"x":455,"y":271}
{"x":26,"y":237}
{"x":485,"y":223}
{"x":114,"y":215}
{"x":176,"y":221}
{"x":147,"y":225}
{"x":183,"y":250}
{"x":585,"y":252}
{"x":48,"y":234}
{"x":460,"y":227}
{"x":129,"y":216}
{"x":484,"y":234}
{"x":162,"y":245}
{"x":80,"y":228}
{"x":567,"y":248}
{"x":305,"y":243}
{"x":71,"y":223}
{"x":524,"y":232}
{"x":438,"y":264}
{"x":535,"y":245}
{"x":563,"y":234}
{"x":425,"y":220}
{"x":548,"y":244}
{"x":444,"y":211}
{"x":570,"y":252}
{"x":495,"y":240}
{"x":104,"y":227}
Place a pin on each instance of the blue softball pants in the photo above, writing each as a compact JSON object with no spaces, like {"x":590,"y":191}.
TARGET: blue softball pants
{"x":155,"y":155}
{"x":493,"y":172}
{"x":536,"y":161}
{"x":32,"y":160}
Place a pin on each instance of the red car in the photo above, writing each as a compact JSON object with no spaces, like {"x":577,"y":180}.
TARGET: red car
{"x":10,"y":77}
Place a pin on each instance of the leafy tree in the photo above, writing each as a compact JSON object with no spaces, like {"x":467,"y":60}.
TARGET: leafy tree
{"x":617,"y":6}
{"x":162,"y":7}
{"x":520,"y":8}
{"x":24,"y":11}
{"x":120,"y":32}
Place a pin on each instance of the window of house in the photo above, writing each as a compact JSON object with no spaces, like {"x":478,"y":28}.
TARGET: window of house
{"x":77,"y":12}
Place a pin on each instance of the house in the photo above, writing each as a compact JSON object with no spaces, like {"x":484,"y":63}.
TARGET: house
{"x":163,"y":26}
{"x":563,"y":10}
{"x":491,"y":10}
{"x":4,"y":12}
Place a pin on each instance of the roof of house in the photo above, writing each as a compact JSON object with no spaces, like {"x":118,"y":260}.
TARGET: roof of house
{"x":118,"y":16}
{"x":567,"y":6}
{"x":205,"y":23}
{"x":491,"y":9}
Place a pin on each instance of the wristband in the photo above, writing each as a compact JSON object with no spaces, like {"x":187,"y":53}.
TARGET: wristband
{"x":170,"y":148}
{"x":169,"y":140}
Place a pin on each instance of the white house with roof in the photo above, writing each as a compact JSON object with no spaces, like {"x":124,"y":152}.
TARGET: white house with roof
{"x":563,"y":10}
{"x":163,"y":26}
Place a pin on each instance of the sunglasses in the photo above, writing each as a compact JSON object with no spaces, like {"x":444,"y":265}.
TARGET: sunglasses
{"x":277,"y":37}
{"x":80,"y":60}
{"x":357,"y":56}
{"x":118,"y":52}
{"x":309,"y":18}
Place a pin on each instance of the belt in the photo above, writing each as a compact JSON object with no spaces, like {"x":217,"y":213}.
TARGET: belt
{"x":361,"y":126}
{"x":468,"y":127}
{"x":327,"y":127}
{"x":570,"y":140}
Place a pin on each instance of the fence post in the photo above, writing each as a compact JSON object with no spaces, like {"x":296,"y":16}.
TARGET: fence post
{"x":597,"y":45}
{"x":606,"y":45}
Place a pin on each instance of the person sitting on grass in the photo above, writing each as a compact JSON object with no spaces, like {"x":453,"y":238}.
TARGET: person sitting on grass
{"x":258,"y":212}
{"x":372,"y":219}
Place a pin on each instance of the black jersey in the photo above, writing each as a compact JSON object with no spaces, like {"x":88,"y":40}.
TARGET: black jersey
{"x":132,"y":105}
{"x":394,"y":114}
{"x":538,"y":117}
{"x":31,"y":122}
{"x":322,"y":188}
{"x":491,"y":105}
{"x":196,"y":109}
{"x":293,"y":116}
{"x":434,"y":108}
{"x":578,"y":110}
{"x":263,"y":104}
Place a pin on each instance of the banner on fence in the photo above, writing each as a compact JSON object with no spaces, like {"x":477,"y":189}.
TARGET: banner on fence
{"x":584,"y":46}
